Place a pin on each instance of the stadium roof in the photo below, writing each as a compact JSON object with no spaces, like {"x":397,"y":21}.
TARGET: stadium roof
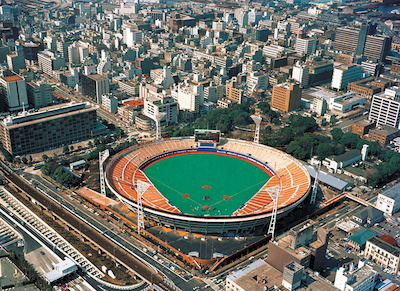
{"x":328,"y":179}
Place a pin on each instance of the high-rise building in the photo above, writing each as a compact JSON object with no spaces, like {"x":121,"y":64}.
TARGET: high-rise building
{"x":301,"y":74}
{"x":95,"y":86}
{"x":351,"y":40}
{"x":132,"y":36}
{"x":233,"y":93}
{"x":306,"y":46}
{"x":189,"y":98}
{"x":77,"y":52}
{"x":286,"y":97}
{"x":385,"y":108}
{"x":16,"y":61}
{"x":345,"y":74}
{"x":13,"y":91}
{"x":39,"y":94}
{"x":50,"y":61}
{"x":50,"y":128}
{"x":377,"y":47}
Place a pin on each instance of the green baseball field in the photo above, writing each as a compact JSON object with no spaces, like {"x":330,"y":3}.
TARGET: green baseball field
{"x":206,"y":183}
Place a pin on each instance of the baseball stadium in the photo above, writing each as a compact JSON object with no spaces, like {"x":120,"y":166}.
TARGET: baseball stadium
{"x":206,"y":184}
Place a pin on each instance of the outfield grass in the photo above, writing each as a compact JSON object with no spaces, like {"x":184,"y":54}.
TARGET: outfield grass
{"x":205,"y":183}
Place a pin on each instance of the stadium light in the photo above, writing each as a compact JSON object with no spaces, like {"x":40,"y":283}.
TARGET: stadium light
{"x":257,"y":120}
{"x":158,"y":118}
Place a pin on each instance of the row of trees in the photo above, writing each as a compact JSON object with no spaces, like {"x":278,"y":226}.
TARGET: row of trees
{"x":59,"y":173}
{"x":223,"y":119}
{"x":295,"y":126}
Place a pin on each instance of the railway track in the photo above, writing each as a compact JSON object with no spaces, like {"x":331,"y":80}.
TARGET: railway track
{"x":91,"y":233}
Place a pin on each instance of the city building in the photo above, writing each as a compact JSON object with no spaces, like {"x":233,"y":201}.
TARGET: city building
{"x":286,"y":97}
{"x":214,"y":93}
{"x":359,"y":239}
{"x":351,"y":40}
{"x":255,"y":276}
{"x":333,"y":163}
{"x":50,"y":61}
{"x":303,"y":245}
{"x":361,"y":278}
{"x":377,"y":47}
{"x":385,"y":108}
{"x":189,"y":97}
{"x":16,"y":61}
{"x":301,"y":74}
{"x":132,"y":36}
{"x":292,"y":276}
{"x":161,"y":104}
{"x":362,"y":127}
{"x":14,"y":93}
{"x":40,"y":94}
{"x":233,"y":93}
{"x":368,"y":87}
{"x":306,"y":46}
{"x":77,"y":52}
{"x":48,"y":128}
{"x":110,"y":102}
{"x":389,"y":200}
{"x":95,"y":86}
{"x":344,"y":74}
{"x":384,"y":252}
{"x":383,"y":134}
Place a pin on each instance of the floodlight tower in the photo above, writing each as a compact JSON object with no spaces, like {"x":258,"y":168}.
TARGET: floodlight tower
{"x":141,"y":188}
{"x":158,"y":118}
{"x":102,"y":158}
{"x":315,"y":186}
{"x":257,"y":120}
{"x":274,"y":193}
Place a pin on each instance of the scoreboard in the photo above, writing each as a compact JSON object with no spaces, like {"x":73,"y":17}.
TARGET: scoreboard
{"x":207,"y":135}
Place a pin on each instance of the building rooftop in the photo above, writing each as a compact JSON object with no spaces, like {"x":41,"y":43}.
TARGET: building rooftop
{"x":384,"y":130}
{"x":360,"y":275}
{"x":27,"y":118}
{"x":12,"y":78}
{"x":363,"y":122}
{"x":349,"y":155}
{"x":257,"y":276}
{"x":361,"y":236}
{"x":394,"y":250}
{"x":328,"y":179}
{"x":392,"y":192}
{"x":97,"y":77}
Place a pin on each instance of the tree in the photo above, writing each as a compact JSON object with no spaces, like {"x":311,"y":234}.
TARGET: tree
{"x":24,"y":160}
{"x":264,"y":106}
{"x":45,"y":157}
{"x":71,"y":148}
{"x":65,"y":150}
{"x":90,"y":144}
{"x":350,"y":140}
{"x":336,"y":134}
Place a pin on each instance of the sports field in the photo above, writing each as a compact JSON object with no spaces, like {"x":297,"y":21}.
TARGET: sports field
{"x":206,"y":183}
